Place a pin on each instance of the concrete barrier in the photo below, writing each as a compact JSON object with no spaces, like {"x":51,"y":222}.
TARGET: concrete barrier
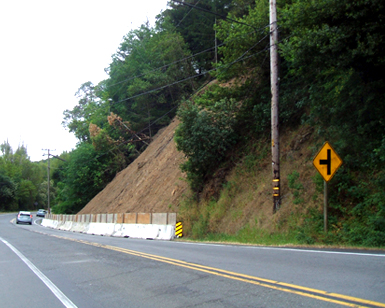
{"x":171,"y":219}
{"x":48,"y":223}
{"x":93,"y":228}
{"x":110,"y":218}
{"x":66,"y":226}
{"x":143,"y":218}
{"x":130,"y":218}
{"x":155,"y":226}
{"x":81,"y":227}
{"x":159,"y":219}
{"x":103,"y":218}
{"x":119,"y":218}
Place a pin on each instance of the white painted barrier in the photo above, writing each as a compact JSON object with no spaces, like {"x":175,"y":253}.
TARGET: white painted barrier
{"x":81,"y":227}
{"x":118,"y":230}
{"x":143,"y":231}
{"x":66,"y":226}
{"x":48,"y":223}
{"x":94,"y":228}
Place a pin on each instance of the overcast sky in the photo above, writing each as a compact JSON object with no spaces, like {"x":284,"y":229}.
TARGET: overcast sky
{"x":47,"y":50}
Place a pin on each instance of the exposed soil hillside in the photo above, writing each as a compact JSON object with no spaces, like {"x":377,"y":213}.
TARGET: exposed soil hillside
{"x":152,"y":183}
{"x":245,"y":201}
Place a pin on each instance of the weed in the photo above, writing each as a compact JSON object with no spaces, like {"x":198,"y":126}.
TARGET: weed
{"x":296,"y":186}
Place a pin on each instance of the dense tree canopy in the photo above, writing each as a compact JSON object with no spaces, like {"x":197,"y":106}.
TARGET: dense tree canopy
{"x":195,"y":21}
{"x":147,"y":76}
{"x":20,"y":179}
{"x":331,"y":77}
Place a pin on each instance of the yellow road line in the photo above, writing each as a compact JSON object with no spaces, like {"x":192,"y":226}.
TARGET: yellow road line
{"x":336,"y":298}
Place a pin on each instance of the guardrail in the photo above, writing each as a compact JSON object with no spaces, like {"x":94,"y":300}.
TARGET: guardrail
{"x":134,"y":225}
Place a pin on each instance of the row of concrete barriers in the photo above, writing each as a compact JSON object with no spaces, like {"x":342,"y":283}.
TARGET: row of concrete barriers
{"x":135,"y":225}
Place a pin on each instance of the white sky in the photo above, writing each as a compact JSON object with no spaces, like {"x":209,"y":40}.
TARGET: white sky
{"x":48,"y":48}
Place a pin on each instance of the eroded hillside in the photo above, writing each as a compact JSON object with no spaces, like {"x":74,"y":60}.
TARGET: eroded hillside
{"x":152,"y":183}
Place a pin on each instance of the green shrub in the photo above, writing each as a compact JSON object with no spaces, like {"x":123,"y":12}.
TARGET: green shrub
{"x":205,"y":136}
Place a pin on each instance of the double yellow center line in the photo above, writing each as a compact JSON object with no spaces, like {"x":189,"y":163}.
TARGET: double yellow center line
{"x":271,"y":284}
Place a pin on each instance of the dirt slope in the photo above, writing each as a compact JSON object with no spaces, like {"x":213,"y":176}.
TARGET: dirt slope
{"x":152,"y":183}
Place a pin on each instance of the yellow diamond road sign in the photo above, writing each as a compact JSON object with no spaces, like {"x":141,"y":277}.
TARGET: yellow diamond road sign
{"x":327,"y":161}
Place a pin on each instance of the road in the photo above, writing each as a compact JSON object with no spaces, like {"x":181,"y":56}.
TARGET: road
{"x":41,"y":267}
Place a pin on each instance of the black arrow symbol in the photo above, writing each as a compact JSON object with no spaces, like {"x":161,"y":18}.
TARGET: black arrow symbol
{"x":327,"y":161}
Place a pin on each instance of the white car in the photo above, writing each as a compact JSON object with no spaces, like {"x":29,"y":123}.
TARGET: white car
{"x":24,"y":217}
{"x":41,"y":213}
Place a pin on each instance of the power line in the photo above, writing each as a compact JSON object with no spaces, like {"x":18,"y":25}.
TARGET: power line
{"x":162,"y":67}
{"x":158,"y":119}
{"x":229,"y":64}
{"x":186,"y":58}
{"x":216,"y":14}
{"x":190,"y":77}
{"x":241,"y":58}
{"x":180,"y":60}
{"x":186,"y":14}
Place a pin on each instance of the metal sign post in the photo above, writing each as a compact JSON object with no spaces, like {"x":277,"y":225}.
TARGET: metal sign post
{"x":326,"y":162}
{"x":326,"y":206}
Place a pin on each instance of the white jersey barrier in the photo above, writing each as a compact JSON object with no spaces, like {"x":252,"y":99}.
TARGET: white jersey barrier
{"x":156,"y":226}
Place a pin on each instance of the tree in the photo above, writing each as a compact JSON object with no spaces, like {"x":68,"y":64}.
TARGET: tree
{"x":26,"y":194}
{"x":7,"y":193}
{"x":87,"y":173}
{"x":146,"y":78}
{"x":336,"y":55}
{"x":90,"y":109}
{"x":21,"y":177}
{"x":195,"y":22}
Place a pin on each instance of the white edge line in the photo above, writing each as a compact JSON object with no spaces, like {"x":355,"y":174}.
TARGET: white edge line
{"x":326,"y":251}
{"x":54,"y":289}
{"x":289,"y":249}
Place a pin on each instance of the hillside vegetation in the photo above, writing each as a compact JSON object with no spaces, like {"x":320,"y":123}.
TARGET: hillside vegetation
{"x":331,"y":88}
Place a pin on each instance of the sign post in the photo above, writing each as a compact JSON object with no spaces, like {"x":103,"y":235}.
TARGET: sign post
{"x":326,"y":162}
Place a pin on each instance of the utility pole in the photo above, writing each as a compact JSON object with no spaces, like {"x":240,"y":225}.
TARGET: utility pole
{"x":49,"y":181}
{"x":216,"y":43}
{"x":274,"y":80}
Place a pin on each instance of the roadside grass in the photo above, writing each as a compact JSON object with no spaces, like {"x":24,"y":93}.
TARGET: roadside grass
{"x":242,"y":213}
{"x":253,"y":236}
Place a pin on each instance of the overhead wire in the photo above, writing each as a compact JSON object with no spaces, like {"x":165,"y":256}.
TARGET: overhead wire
{"x":186,"y":14}
{"x":241,"y":58}
{"x":199,"y":53}
{"x":144,"y":129}
{"x":229,"y":64}
{"x":210,"y":12}
{"x":188,"y":78}
{"x":180,"y":60}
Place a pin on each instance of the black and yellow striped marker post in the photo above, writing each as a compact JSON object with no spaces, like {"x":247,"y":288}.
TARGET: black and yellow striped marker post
{"x":178,"y":229}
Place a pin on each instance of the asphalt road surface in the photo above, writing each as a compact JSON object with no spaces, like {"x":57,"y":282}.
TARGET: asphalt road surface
{"x":41,"y":267}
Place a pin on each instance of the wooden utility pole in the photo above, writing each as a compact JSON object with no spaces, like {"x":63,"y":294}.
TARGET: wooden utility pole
{"x":216,"y":43}
{"x":48,"y":176}
{"x":274,"y":80}
{"x":49,"y":182}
